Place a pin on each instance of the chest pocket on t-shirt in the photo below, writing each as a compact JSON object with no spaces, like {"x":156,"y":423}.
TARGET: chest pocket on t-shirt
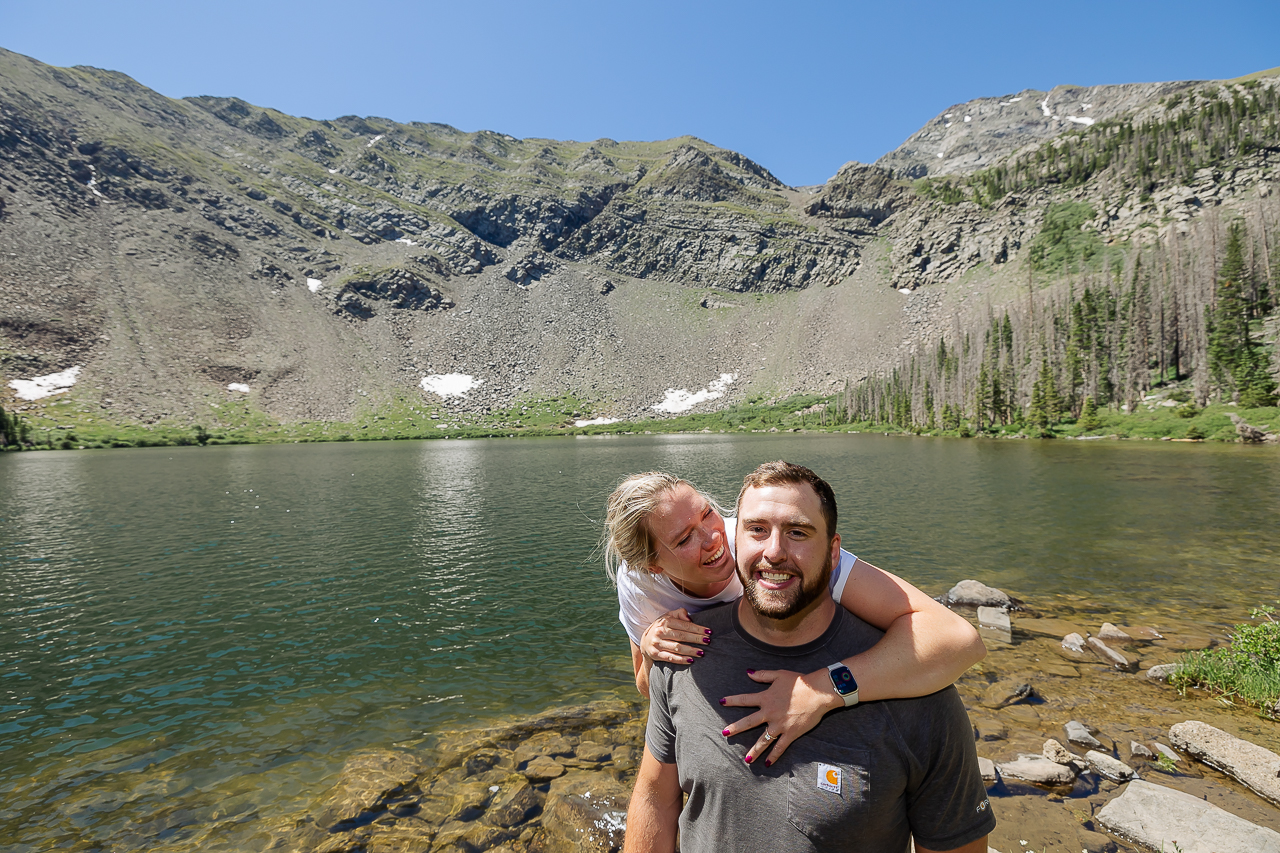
{"x":829,"y":790}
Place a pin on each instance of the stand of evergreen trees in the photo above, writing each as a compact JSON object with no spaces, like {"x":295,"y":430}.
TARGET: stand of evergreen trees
{"x":1204,"y":128}
{"x":14,"y":430}
{"x":1188,"y":309}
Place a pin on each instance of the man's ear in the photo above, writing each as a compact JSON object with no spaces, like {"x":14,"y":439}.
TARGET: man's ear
{"x":835,"y":551}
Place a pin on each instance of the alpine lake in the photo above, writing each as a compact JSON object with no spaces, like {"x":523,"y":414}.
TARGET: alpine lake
{"x":196,"y":640}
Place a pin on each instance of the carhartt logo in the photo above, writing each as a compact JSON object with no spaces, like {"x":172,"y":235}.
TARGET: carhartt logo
{"x":829,"y":778}
{"x":982,"y":806}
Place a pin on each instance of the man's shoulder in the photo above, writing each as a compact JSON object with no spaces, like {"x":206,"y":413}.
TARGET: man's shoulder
{"x":718,"y":617}
{"x":920,"y":720}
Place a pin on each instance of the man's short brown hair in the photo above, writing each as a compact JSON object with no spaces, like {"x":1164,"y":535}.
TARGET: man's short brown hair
{"x":782,"y":473}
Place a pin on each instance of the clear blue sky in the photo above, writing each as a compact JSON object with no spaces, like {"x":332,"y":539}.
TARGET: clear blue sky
{"x":800,"y":87}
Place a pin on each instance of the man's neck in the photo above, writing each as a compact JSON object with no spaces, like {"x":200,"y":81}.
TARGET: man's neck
{"x":805,"y":627}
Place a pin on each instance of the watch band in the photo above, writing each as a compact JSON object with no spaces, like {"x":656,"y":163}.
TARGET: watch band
{"x":844,"y":683}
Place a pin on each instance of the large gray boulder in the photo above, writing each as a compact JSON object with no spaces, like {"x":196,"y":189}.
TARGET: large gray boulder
{"x":971,"y":593}
{"x":1037,"y":769}
{"x":1254,"y":766}
{"x":1159,"y":818}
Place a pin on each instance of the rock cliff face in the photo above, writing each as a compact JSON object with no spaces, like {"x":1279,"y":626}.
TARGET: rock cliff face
{"x":173,"y":248}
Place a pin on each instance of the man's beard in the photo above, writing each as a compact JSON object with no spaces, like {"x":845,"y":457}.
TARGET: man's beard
{"x":783,"y":604}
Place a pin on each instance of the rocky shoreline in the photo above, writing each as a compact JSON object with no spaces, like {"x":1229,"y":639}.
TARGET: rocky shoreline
{"x":1083,"y":745}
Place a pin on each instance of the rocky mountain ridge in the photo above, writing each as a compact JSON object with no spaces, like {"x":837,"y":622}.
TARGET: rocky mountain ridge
{"x":175,"y":248}
{"x":974,"y":135}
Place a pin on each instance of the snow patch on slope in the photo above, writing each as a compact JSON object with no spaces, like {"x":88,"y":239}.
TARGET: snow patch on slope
{"x":39,"y":387}
{"x":680,"y":400}
{"x":449,"y":384}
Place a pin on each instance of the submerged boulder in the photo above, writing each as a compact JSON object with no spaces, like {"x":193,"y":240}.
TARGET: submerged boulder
{"x":1078,"y":732}
{"x":1115,"y":658}
{"x":585,"y":813}
{"x":368,"y":780}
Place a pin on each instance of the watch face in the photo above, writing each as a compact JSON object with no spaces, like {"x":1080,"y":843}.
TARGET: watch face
{"x":843,"y":680}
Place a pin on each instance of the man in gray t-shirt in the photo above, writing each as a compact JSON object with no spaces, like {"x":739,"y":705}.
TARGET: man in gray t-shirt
{"x":867,"y":778}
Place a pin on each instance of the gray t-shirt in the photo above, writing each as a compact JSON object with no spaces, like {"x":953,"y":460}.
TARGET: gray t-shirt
{"x":864,"y":779}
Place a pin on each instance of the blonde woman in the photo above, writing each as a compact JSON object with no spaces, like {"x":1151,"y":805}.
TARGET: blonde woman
{"x":670,"y":550}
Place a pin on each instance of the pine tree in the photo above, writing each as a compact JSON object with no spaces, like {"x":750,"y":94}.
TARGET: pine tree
{"x":1036,"y":415}
{"x":14,"y":431}
{"x":1237,"y":362}
{"x":1046,"y":404}
{"x":1257,"y":388}
{"x":1229,"y":320}
{"x":1089,"y":415}
{"x":982,"y":396}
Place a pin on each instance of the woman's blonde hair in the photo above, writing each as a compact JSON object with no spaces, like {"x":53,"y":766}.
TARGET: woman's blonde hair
{"x":627,"y":541}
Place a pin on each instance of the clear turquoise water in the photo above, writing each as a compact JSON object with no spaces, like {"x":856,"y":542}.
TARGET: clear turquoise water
{"x":191,"y":635}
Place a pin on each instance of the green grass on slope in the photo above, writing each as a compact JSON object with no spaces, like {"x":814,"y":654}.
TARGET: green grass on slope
{"x":67,"y":423}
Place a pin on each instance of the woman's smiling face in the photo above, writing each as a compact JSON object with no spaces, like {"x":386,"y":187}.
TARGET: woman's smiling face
{"x":693,"y":549}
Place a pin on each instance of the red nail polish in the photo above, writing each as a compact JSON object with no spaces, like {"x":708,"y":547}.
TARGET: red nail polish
{"x":690,"y":660}
{"x":708,"y":631}
{"x":748,"y":759}
{"x":701,"y":653}
{"x":706,"y":640}
{"x":722,"y":701}
{"x":751,"y":672}
{"x":726,"y":731}
{"x":769,"y":763}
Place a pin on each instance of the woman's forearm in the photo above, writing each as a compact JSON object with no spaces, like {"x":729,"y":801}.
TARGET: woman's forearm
{"x":921,"y":653}
{"x":925,"y":647}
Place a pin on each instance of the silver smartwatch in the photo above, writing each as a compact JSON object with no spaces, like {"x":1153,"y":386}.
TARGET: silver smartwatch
{"x":844,"y":683}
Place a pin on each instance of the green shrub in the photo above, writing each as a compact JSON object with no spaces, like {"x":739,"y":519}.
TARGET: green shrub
{"x":1186,"y":410}
{"x":1260,"y":642}
{"x":1248,"y":669}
